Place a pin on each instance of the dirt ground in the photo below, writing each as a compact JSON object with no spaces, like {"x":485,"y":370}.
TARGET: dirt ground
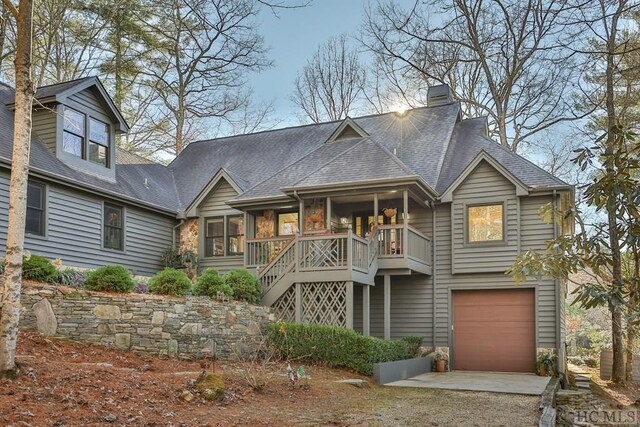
{"x":65,"y":383}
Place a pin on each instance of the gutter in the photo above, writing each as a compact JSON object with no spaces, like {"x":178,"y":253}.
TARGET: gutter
{"x":181,"y":216}
{"x":434,"y":240}
{"x":558,"y":296}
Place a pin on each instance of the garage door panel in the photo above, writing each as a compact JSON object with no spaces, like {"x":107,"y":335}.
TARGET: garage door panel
{"x":494,"y":330}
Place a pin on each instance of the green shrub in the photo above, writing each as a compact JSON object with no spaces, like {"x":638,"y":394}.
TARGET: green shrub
{"x":413,"y":344}
{"x":38,"y":268}
{"x":70,"y":277}
{"x":245,"y":285}
{"x":170,"y":282}
{"x":110,"y":278}
{"x":334,"y":346}
{"x":209,"y":283}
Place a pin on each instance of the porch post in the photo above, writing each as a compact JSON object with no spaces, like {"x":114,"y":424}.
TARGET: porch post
{"x":365,"y":310}
{"x":298,"y":303}
{"x":405,"y":224}
{"x":349,"y":313}
{"x":387,"y":306}
{"x":375,"y":209}
{"x":327,"y":213}
{"x":301,"y":219}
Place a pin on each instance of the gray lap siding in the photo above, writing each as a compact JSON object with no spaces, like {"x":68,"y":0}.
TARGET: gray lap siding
{"x":74,"y":231}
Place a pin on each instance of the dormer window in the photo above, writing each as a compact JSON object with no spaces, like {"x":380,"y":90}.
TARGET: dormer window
{"x":86,"y":142}
{"x":74,"y":130}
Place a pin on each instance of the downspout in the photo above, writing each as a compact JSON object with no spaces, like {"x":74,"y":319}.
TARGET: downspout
{"x":435,"y":270}
{"x":558,"y":297}
{"x":181,"y":216}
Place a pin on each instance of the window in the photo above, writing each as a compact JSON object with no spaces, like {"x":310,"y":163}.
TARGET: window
{"x":235,"y":235}
{"x":89,"y":143}
{"x":214,"y":237}
{"x":485,"y":223}
{"x":73,"y":132}
{"x":287,"y":223}
{"x":113,"y":234}
{"x":98,"y":142}
{"x":35,"y":209}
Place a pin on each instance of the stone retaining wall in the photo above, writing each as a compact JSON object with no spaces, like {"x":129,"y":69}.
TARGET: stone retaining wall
{"x":194,"y":326}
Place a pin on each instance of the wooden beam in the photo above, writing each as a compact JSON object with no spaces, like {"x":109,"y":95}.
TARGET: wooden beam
{"x":387,"y":307}
{"x":298,"y":303}
{"x":376,"y":209}
{"x":366,"y":329}
{"x":349,"y":308}
{"x":405,"y":223}
{"x":328,"y":214}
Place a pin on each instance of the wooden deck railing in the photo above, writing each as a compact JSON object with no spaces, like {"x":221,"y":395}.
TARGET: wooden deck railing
{"x":419,"y":246}
{"x":260,"y":252}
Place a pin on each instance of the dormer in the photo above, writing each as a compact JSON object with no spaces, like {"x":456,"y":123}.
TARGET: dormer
{"x":78,"y":122}
{"x":348,"y":128}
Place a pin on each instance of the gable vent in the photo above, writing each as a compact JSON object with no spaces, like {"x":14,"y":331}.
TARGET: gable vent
{"x":439,"y":95}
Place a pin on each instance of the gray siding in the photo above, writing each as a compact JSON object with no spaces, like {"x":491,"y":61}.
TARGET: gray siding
{"x":215,"y":206}
{"x":74,"y":231}
{"x":89,"y":103}
{"x":44,"y":125}
{"x":421,"y":218}
{"x":484,"y":185}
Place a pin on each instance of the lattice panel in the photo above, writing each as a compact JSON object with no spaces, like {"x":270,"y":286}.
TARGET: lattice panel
{"x":324,"y":303}
{"x":324,"y":253}
{"x":285,"y":307}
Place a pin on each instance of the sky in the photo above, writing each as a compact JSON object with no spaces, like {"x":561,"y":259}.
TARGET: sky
{"x":293,"y":36}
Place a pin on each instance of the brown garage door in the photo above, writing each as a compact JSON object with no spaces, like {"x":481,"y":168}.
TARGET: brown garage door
{"x":494,"y":330}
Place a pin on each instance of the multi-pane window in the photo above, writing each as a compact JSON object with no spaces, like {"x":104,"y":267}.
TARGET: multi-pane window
{"x":235,"y":235}
{"x":113,"y":225}
{"x":35,"y":209}
{"x":214,"y":237}
{"x":485,"y":223}
{"x":98,"y":142}
{"x":86,"y":142}
{"x":224,"y":236}
{"x":73,"y":132}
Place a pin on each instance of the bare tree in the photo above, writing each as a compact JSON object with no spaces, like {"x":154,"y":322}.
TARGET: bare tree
{"x":10,"y":302}
{"x":503,"y":59}
{"x":209,"y":47}
{"x":329,"y":86}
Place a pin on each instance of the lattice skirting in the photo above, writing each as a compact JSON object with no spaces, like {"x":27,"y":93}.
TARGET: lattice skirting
{"x":285,"y":307}
{"x":323,"y":303}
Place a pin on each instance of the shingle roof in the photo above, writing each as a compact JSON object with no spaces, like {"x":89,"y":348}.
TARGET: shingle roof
{"x":468,"y":140}
{"x":148,"y":183}
{"x":54,"y":89}
{"x":431,"y":142}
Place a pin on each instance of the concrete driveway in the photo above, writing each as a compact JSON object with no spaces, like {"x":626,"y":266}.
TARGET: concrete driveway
{"x":496,"y":382}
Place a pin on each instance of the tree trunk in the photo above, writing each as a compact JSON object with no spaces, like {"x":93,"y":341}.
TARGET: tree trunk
{"x":629,"y":351}
{"x":17,"y":191}
{"x":617,"y":373}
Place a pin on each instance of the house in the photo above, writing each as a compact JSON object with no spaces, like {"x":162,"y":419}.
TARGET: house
{"x":394,"y":224}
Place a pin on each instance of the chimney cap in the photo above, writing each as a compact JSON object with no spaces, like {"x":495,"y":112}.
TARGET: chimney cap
{"x":439,"y":95}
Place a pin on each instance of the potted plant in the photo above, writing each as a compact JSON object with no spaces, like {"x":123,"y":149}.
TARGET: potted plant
{"x":390,"y":212}
{"x":545,"y":363}
{"x":440,"y":359}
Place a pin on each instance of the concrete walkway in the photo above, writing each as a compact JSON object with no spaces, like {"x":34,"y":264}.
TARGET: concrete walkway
{"x":495,"y":382}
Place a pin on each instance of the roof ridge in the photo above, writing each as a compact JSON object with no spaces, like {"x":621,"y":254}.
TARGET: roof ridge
{"x":68,"y":81}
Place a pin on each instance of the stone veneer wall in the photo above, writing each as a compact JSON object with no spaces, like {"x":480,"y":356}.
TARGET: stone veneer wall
{"x":189,"y":236}
{"x":194,"y":326}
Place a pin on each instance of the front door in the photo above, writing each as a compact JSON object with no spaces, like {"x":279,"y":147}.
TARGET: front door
{"x":363,"y":223}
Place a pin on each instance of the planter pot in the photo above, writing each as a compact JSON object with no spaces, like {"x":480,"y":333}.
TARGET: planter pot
{"x":441,"y":365}
{"x":315,"y":218}
{"x":542,"y":371}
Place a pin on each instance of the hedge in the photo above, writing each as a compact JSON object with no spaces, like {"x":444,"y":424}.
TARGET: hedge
{"x":334,"y":346}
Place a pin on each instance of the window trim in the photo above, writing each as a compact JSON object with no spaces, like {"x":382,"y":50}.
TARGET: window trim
{"x":503,"y":241}
{"x":206,"y":237}
{"x":84,"y":161}
{"x":44,"y":210}
{"x":83,"y":147}
{"x":277,"y":222}
{"x":225,"y":237}
{"x":228,"y":235}
{"x":91,"y":141}
{"x":123,"y":228}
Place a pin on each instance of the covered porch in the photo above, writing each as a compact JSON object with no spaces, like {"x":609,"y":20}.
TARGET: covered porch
{"x":337,"y":240}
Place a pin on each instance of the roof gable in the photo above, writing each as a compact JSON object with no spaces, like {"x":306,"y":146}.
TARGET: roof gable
{"x":347,"y":129}
{"x":521,"y":189}
{"x":221,"y":176}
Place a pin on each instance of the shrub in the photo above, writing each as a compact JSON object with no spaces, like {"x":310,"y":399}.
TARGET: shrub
{"x":244,"y":285}
{"x":110,"y":278}
{"x":38,"y":268}
{"x":413,"y":344}
{"x":170,"y":282}
{"x":69,"y":277}
{"x":334,"y":346}
{"x":209,"y":283}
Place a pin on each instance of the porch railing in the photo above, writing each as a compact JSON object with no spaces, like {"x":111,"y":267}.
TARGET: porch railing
{"x":391,"y":240}
{"x":419,"y":246}
{"x":260,"y":252}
